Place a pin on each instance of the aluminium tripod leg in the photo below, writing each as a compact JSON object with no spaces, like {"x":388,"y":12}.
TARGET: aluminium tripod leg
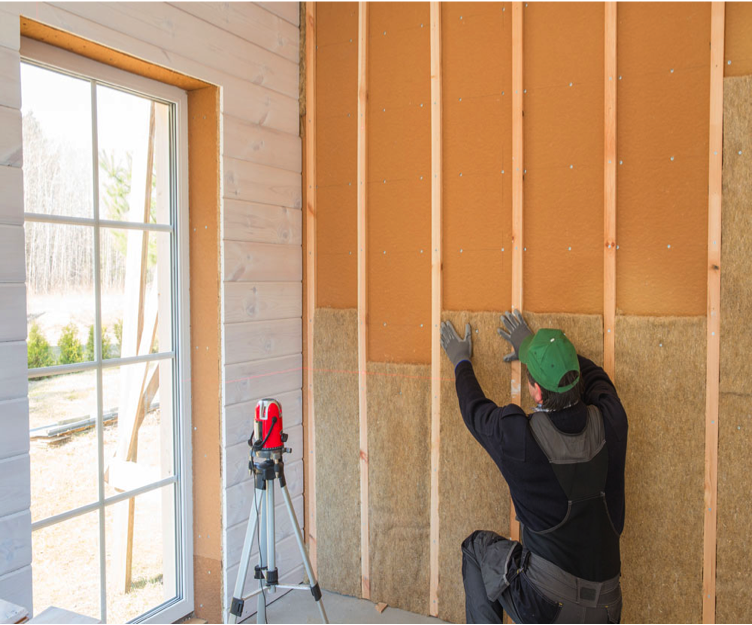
{"x":315,"y":590}
{"x":261,"y":612}
{"x":236,"y":608}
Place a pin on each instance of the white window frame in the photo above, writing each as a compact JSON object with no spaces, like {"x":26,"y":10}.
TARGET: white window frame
{"x":61,"y":61}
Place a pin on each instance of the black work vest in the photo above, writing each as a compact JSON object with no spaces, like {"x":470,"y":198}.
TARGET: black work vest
{"x":585,"y":543}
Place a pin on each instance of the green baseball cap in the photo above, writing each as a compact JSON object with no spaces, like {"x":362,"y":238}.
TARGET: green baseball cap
{"x":549,"y":355}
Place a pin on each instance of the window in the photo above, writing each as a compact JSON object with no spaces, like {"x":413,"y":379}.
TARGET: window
{"x":105,"y":184}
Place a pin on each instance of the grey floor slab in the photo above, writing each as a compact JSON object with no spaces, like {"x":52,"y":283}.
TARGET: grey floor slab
{"x":299,"y":607}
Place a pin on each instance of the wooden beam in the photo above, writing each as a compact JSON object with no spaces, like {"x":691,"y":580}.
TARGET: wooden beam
{"x":517,"y":243}
{"x":715,"y":160}
{"x":609,"y":186}
{"x":310,"y":276}
{"x":436,"y":300}
{"x":362,"y":295}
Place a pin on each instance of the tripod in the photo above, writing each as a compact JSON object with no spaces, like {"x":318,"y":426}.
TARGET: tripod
{"x":266,"y":466}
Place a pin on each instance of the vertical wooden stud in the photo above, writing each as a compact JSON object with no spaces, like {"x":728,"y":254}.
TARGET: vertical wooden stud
{"x":362,"y":295}
{"x":609,"y":187}
{"x":517,"y":172}
{"x":715,"y":160}
{"x":436,"y":299}
{"x":310,"y":217}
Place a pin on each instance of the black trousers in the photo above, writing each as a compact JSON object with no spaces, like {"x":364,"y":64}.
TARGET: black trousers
{"x":478,"y":607}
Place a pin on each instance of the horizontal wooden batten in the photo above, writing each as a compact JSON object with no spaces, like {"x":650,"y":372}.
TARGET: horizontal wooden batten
{"x":12,"y":312}
{"x":255,"y":262}
{"x":17,"y":584}
{"x":12,"y":254}
{"x":258,"y":183}
{"x":14,"y":425}
{"x":15,"y":485}
{"x":10,"y":36}
{"x":283,"y":529}
{"x":238,"y":498}
{"x":11,"y":198}
{"x":261,"y":378}
{"x":11,"y":143}
{"x":228,"y":53}
{"x":10,"y":78}
{"x":286,"y":10}
{"x":262,"y":223}
{"x":251,"y":22}
{"x":13,"y":380}
{"x":251,"y":142}
{"x":259,"y":301}
{"x":240,"y":98}
{"x":16,"y":552}
{"x":236,"y":456}
{"x":261,"y":340}
{"x":239,"y":417}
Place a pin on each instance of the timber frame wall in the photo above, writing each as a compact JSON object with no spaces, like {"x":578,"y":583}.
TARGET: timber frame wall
{"x":610,"y":218}
{"x":240,"y":64}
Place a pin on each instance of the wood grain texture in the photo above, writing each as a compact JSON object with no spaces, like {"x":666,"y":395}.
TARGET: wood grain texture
{"x":258,"y":183}
{"x":262,"y":223}
{"x":13,"y":380}
{"x":309,"y":258}
{"x":228,"y":52}
{"x":239,"y":417}
{"x":11,"y":199}
{"x":257,"y":262}
{"x":517,"y":206}
{"x":15,"y":485}
{"x":251,"y":142}
{"x":11,"y":143}
{"x":250,"y":380}
{"x":10,"y":78}
{"x":12,"y":312}
{"x":260,"y":301}
{"x":14,"y":423}
{"x":10,"y":34}
{"x":363,"y":36}
{"x":16,"y":587}
{"x":609,"y":185}
{"x":436,"y":302}
{"x":261,"y":340}
{"x":251,"y":22}
{"x":15,"y":541}
{"x":286,"y":10}
{"x":715,"y":188}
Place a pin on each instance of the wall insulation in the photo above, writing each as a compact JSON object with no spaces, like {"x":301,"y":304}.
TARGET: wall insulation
{"x":662,"y":123}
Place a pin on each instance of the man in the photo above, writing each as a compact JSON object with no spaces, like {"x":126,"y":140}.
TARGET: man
{"x":564,"y":465}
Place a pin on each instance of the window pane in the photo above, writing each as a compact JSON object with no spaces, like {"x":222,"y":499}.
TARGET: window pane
{"x":134,"y":157}
{"x":56,"y":143}
{"x":138,"y":446}
{"x":150,"y":580}
{"x":66,"y":566}
{"x":137,"y":289}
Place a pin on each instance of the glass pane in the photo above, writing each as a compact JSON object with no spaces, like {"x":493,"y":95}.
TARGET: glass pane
{"x":56,"y":143}
{"x":138,"y":440}
{"x":150,"y":579}
{"x":137,"y":290}
{"x":65,"y":566}
{"x":60,"y":294}
{"x":134,"y":157}
{"x":62,"y":416}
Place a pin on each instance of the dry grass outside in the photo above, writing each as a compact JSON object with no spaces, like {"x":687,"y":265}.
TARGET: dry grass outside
{"x":64,"y":476}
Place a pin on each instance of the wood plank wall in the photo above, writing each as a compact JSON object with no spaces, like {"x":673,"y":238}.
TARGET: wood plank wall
{"x":251,"y":51}
{"x":15,"y":484}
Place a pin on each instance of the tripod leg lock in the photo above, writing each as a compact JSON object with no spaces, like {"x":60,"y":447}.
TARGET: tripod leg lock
{"x":272,"y":577}
{"x":316,"y":592}
{"x":237,"y":607}
{"x":258,"y":572}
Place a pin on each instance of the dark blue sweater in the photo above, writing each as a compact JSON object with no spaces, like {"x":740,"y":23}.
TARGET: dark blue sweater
{"x":503,"y":432}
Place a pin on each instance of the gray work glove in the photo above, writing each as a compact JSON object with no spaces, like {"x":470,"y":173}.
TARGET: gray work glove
{"x":516,"y":331}
{"x":456,"y":348}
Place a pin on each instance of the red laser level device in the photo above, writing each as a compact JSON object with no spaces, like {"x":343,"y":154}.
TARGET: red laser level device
{"x":267,"y":426}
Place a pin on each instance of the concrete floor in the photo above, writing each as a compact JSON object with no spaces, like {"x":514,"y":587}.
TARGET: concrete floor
{"x":299,"y":607}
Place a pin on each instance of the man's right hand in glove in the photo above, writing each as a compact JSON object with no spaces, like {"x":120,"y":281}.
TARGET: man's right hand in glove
{"x":456,"y":348}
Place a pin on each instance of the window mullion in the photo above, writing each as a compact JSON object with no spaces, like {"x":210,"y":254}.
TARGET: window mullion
{"x":98,"y":353}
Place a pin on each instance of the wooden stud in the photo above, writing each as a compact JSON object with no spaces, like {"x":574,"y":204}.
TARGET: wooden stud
{"x":362,"y":296}
{"x":436,"y":299}
{"x":517,"y":243}
{"x":609,"y":187}
{"x":715,"y":160}
{"x":310,"y":275}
